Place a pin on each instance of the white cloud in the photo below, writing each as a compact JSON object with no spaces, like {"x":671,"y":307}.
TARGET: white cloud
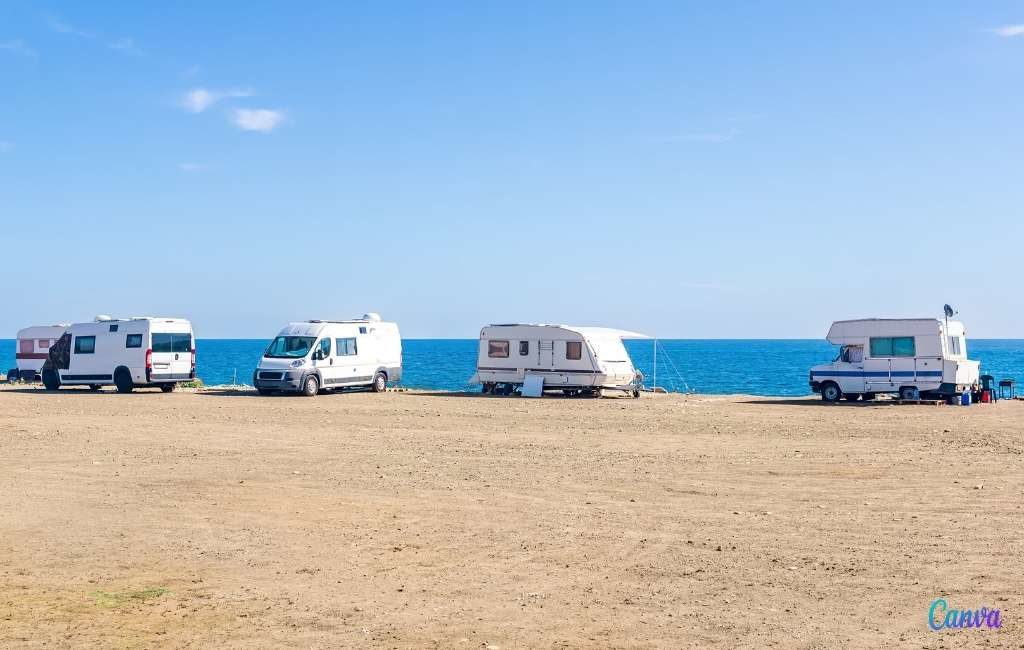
{"x":198,"y":100}
{"x":61,"y":27}
{"x":1006,"y":31}
{"x":6,"y":146}
{"x":122,"y":45}
{"x":262,"y":120}
{"x":17,"y":46}
{"x":191,"y":167}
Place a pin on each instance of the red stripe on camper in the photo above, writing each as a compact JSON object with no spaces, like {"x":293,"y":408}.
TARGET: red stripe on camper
{"x":31,"y":355}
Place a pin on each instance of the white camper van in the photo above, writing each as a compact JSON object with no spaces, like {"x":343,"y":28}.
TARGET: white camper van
{"x":573,"y":360}
{"x":311,"y":356}
{"x":138,"y":351}
{"x":32,"y":347}
{"x":882,"y":355}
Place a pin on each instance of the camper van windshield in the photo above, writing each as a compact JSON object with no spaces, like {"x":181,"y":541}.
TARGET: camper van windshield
{"x":290,"y":347}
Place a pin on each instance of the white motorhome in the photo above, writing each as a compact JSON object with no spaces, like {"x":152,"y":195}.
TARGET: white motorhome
{"x":127,"y":353}
{"x":310,"y":356}
{"x":32,"y":347}
{"x":573,"y":360}
{"x":888,"y":355}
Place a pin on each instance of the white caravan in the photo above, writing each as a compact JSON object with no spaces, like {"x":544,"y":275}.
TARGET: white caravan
{"x":884,"y":355}
{"x":131,"y":352}
{"x":574,"y":360}
{"x":311,"y":356}
{"x":33,"y":345}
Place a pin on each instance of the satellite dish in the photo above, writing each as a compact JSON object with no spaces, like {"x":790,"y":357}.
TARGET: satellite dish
{"x":948,"y":311}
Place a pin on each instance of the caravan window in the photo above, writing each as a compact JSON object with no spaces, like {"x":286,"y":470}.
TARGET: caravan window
{"x":898,"y":346}
{"x":524,"y":348}
{"x":26,"y":346}
{"x":164,"y":342}
{"x":43,"y":343}
{"x":345,"y":347}
{"x":573,"y":350}
{"x":133,"y":341}
{"x":954,"y":346}
{"x":85,"y":344}
{"x":497,"y":349}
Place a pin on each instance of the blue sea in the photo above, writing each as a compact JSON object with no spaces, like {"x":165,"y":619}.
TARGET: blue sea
{"x":710,"y":366}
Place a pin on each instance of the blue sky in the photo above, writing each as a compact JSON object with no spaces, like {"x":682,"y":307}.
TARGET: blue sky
{"x":684,"y":169}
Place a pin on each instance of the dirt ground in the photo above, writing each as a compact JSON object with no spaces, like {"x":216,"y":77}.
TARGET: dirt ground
{"x":420,"y":520}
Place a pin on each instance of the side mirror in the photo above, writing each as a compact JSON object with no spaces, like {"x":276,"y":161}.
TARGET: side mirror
{"x":316,"y":355}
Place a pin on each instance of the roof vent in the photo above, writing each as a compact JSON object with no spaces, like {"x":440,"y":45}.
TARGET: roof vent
{"x":103,"y":318}
{"x":372,"y":316}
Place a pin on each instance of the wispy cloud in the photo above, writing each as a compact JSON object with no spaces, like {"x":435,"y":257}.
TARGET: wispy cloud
{"x":198,"y":100}
{"x":64,"y":27}
{"x":18,"y":46}
{"x":1006,"y":31}
{"x":126,"y":45}
{"x":191,"y":167}
{"x":262,"y":119}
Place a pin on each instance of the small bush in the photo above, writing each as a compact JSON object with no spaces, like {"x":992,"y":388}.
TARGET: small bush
{"x":195,"y":383}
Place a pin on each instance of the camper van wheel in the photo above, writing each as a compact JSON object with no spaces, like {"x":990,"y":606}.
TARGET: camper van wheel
{"x":51,"y":380}
{"x":311,"y":386}
{"x":830,"y":392}
{"x":380,"y":383}
{"x":12,"y":375}
{"x":907,"y":393}
{"x":597,"y":392}
{"x":486,"y":387}
{"x":168,"y":388}
{"x":123,"y":381}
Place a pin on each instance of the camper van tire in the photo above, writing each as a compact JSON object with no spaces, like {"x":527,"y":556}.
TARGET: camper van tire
{"x":123,"y":380}
{"x":12,"y":375}
{"x":380,"y":382}
{"x":830,"y":392}
{"x":51,"y":380}
{"x":168,"y":388}
{"x":908,"y":393}
{"x":311,"y":386}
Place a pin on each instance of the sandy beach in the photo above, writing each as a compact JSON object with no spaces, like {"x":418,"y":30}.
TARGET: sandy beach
{"x":421,"y":520}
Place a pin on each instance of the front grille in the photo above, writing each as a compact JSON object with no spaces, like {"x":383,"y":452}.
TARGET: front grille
{"x":271,"y":375}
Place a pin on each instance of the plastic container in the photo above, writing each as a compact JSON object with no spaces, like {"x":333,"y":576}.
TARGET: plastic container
{"x":986,"y":396}
{"x":965,"y":398}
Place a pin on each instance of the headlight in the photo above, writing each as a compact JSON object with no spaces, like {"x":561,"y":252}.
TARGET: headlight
{"x":298,"y":363}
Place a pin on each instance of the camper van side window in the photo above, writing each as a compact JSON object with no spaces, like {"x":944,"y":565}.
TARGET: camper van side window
{"x":573,"y":350}
{"x":85,"y":344}
{"x":346,"y":347}
{"x":497,"y":349}
{"x":133,"y":341}
{"x":903,"y":346}
{"x":524,"y":348}
{"x":325,"y":347}
{"x":954,"y":345}
{"x":26,"y":346}
{"x":899,"y":346}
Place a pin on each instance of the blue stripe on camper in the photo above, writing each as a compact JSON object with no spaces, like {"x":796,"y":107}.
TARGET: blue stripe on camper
{"x":883,"y":373}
